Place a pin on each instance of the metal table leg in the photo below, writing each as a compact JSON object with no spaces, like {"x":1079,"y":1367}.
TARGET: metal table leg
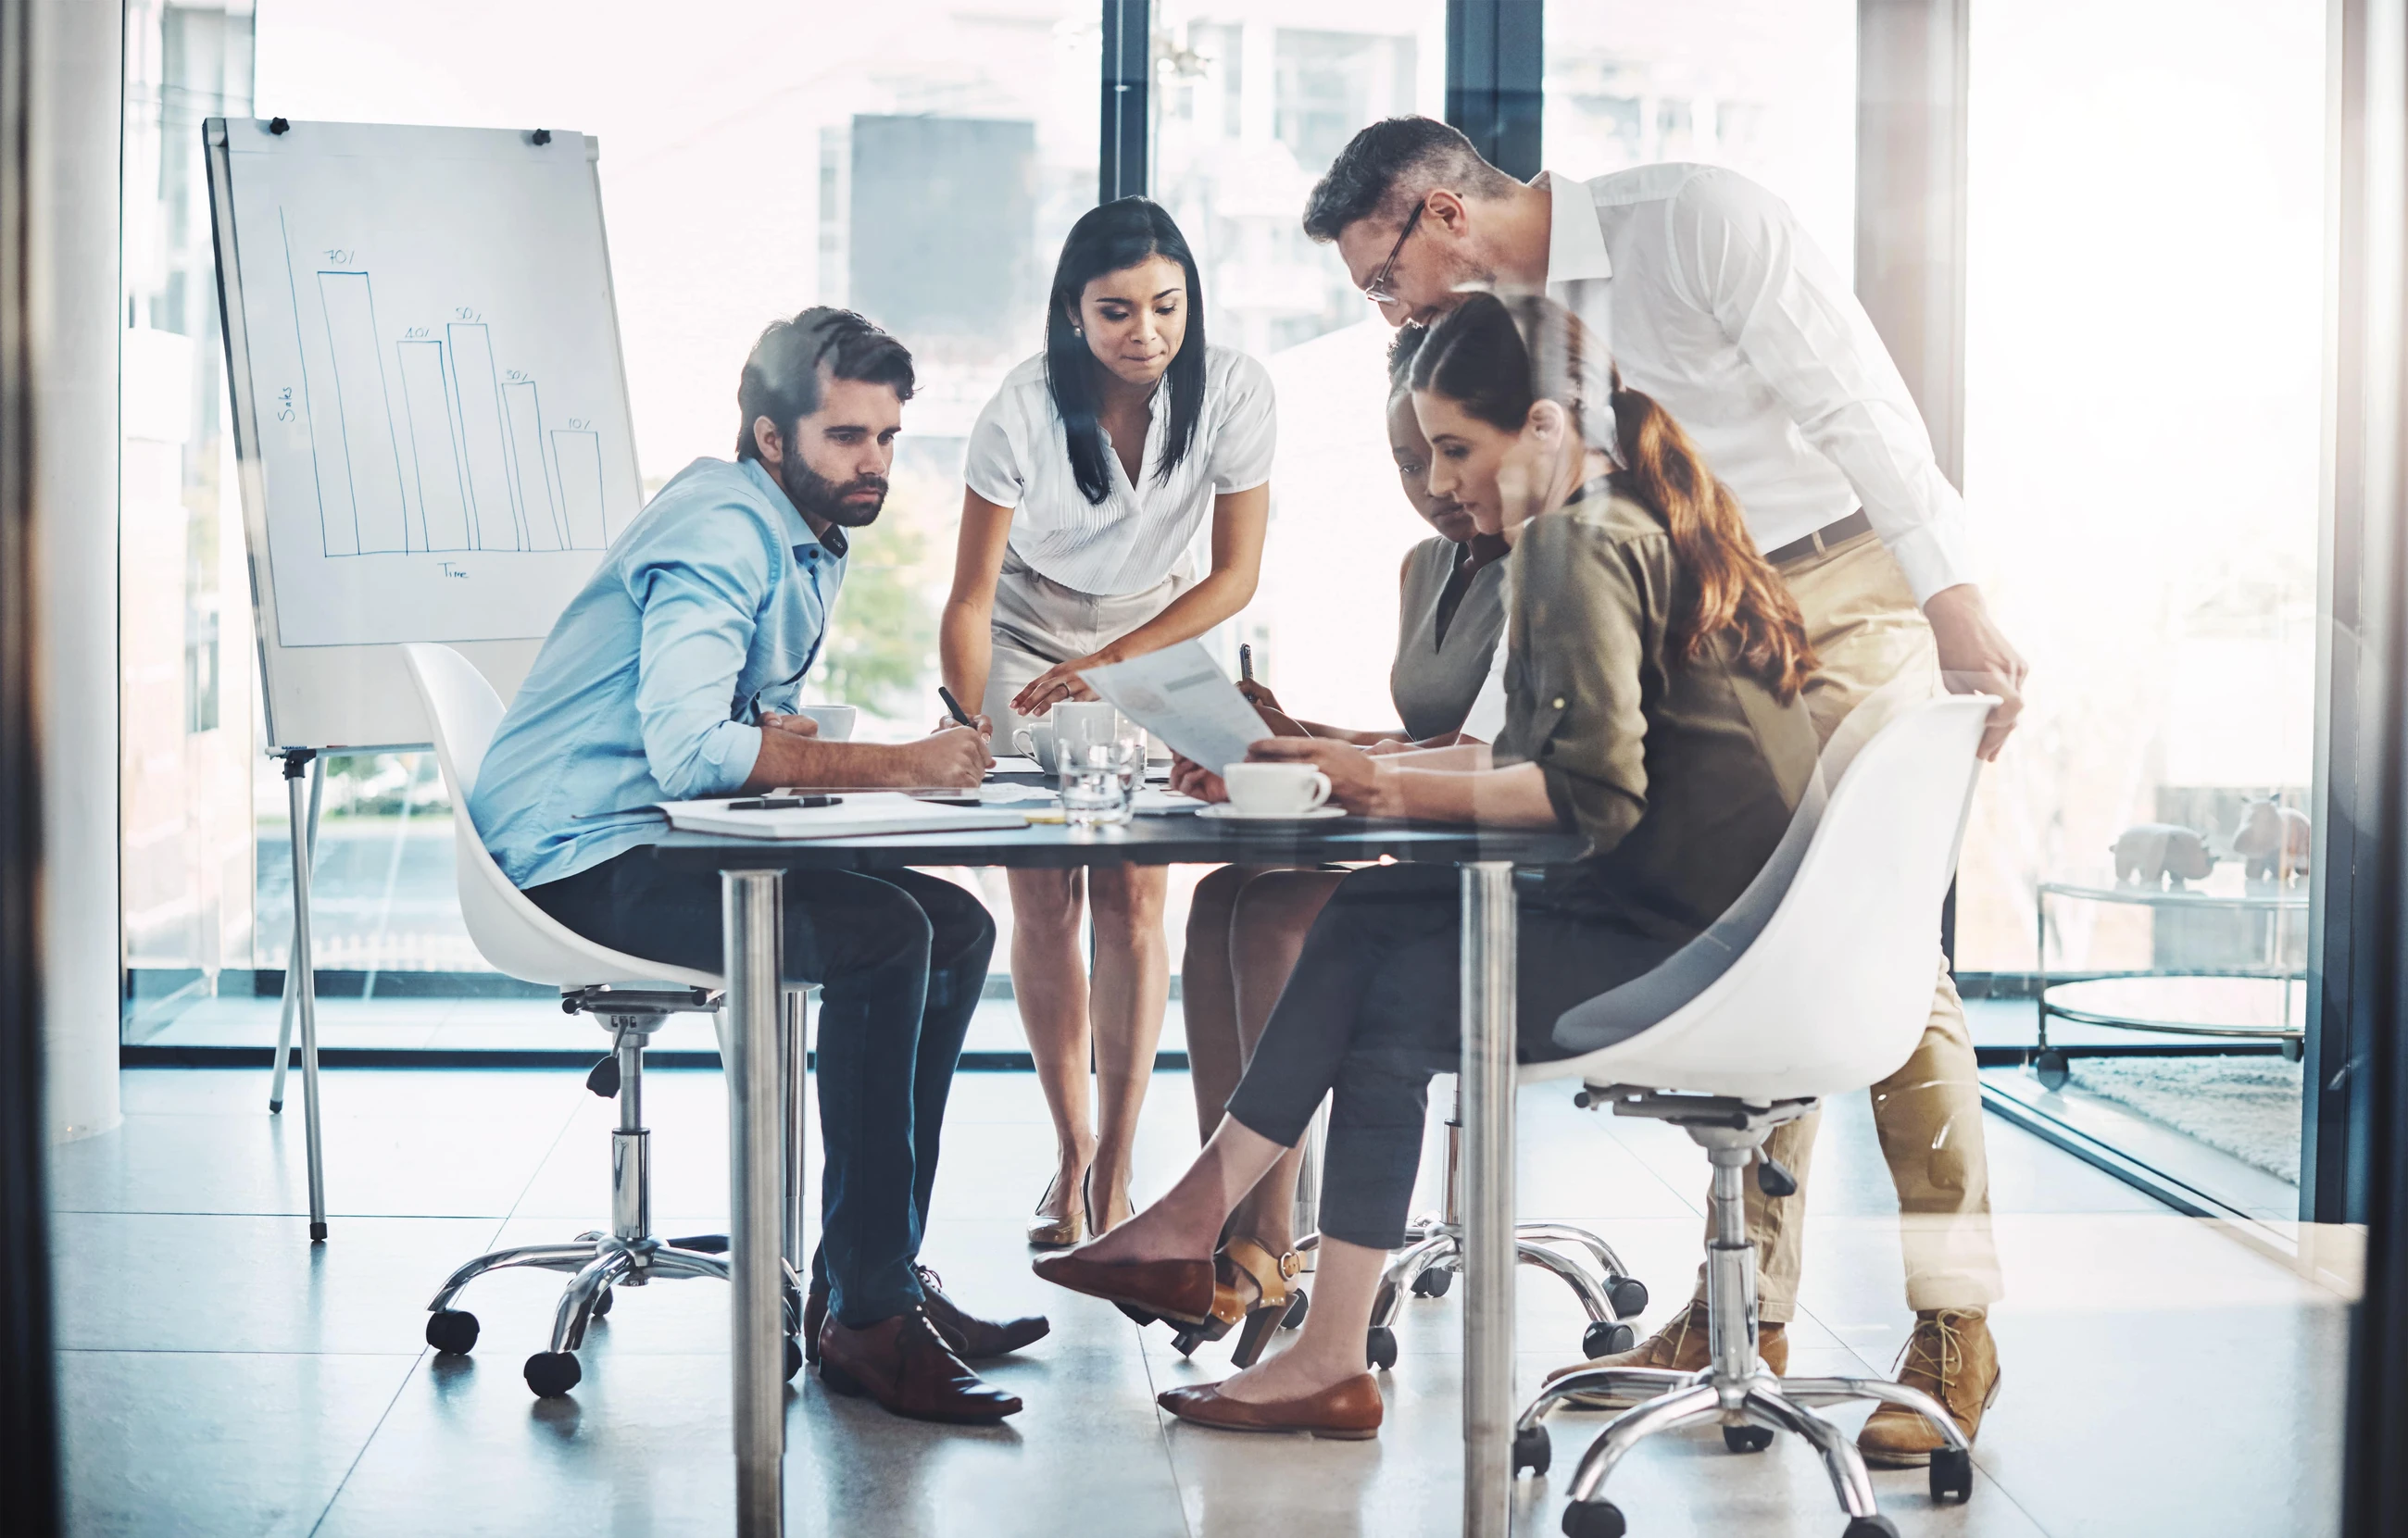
{"x":749,"y":909}
{"x":1486,"y":1089}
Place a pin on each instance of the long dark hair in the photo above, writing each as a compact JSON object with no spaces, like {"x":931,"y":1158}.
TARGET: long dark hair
{"x":1108,"y":238}
{"x":1496,"y":358}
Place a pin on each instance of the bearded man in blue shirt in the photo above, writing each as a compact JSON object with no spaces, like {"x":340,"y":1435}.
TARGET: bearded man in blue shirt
{"x":675,"y":675}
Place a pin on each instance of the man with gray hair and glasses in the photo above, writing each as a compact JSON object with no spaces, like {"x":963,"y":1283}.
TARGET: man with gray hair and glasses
{"x":1718,"y":305}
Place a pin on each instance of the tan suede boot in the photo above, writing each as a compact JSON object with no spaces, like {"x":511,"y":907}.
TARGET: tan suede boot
{"x":1681,"y":1347}
{"x":1951,"y":1357}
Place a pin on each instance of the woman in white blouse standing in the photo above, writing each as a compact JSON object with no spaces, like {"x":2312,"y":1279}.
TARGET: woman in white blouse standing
{"x":1090,"y":474}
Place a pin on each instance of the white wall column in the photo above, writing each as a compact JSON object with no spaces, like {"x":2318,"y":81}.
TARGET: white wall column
{"x":75,"y":121}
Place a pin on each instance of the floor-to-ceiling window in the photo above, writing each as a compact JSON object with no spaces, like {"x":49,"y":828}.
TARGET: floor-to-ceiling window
{"x":2145,"y":345}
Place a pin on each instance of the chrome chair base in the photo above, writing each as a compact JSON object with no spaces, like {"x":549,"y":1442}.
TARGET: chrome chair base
{"x":628,"y":1255}
{"x":1433,"y":1254}
{"x":1733,"y":1389}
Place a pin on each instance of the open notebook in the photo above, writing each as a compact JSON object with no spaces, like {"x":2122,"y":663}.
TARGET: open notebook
{"x":856,"y":814}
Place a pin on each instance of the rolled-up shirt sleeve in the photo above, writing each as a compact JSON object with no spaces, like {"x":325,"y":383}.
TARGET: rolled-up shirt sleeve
{"x":1248,"y":435}
{"x":701,"y":590}
{"x":1584,"y":622}
{"x":1738,"y":251}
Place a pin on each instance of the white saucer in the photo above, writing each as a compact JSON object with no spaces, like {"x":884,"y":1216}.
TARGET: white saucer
{"x":1224,"y":812}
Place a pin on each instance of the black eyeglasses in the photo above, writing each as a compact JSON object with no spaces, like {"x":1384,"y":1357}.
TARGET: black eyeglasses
{"x":1376,"y":290}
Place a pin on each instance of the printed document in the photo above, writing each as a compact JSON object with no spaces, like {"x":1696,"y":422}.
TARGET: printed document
{"x":1181,"y":696}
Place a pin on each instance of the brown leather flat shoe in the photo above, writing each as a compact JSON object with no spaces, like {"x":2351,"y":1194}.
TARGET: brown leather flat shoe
{"x":905,"y":1365}
{"x":973,"y":1339}
{"x":1180,"y":1290}
{"x":1343,"y":1412}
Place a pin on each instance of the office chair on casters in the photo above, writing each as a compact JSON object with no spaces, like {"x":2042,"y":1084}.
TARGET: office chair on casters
{"x":1817,"y":983}
{"x":631,"y":997}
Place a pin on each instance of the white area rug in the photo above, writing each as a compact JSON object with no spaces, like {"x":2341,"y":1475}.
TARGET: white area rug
{"x":2248,"y":1107}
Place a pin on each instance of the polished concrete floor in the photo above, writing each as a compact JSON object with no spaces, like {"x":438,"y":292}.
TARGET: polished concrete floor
{"x":224,"y":1376}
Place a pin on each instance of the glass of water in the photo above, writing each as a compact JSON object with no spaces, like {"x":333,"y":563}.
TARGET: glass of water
{"x":1094,"y":792}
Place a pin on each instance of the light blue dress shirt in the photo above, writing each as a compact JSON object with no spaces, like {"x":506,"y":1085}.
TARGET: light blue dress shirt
{"x":707,"y":611}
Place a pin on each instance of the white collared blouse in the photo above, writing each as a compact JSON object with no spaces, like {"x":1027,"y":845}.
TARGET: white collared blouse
{"x":1020,"y":458}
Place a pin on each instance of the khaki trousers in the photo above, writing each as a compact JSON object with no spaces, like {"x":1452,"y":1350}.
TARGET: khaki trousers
{"x":1868,"y":631}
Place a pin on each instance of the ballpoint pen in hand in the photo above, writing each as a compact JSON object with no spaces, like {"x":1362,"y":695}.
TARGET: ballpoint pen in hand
{"x":954,"y":708}
{"x":1245,"y":663}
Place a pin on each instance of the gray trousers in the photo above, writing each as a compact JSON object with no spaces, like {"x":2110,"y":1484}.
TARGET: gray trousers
{"x":1370,"y":1012}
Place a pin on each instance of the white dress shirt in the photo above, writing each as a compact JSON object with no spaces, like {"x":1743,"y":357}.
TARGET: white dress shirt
{"x":1716,"y":305}
{"x":1020,"y":458}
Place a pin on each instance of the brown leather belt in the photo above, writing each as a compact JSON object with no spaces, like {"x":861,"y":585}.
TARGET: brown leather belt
{"x":1823,"y":538}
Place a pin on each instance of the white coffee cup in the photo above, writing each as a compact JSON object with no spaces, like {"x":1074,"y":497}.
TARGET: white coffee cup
{"x":1036,"y":741}
{"x":1275,"y":789}
{"x":835,"y":722}
{"x":1085,"y":723}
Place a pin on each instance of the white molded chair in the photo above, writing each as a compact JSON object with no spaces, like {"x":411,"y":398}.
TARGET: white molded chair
{"x":1818,"y":982}
{"x":631,"y":997}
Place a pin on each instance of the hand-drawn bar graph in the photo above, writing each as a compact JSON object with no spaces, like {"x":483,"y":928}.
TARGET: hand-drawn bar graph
{"x":539,"y":519}
{"x":493,"y":524}
{"x":578,"y":453}
{"x":372,"y":464}
{"x":442,"y":522}
{"x":460,"y":461}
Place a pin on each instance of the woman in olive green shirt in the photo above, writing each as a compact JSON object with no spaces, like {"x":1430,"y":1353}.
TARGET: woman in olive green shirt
{"x":1653,"y":677}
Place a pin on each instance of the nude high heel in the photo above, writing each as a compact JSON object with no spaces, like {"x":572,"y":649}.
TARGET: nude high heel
{"x":1059,"y":1233}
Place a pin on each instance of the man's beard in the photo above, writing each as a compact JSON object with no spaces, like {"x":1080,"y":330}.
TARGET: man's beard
{"x":816,"y":496}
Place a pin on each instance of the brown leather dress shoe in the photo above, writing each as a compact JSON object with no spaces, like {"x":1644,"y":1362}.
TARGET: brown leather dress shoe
{"x":1180,"y":1290}
{"x":975,"y":1339}
{"x":905,"y":1365}
{"x":1343,"y":1412}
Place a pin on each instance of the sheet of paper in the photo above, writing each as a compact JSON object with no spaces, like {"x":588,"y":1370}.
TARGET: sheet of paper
{"x":1015,"y":763}
{"x":1181,"y":696}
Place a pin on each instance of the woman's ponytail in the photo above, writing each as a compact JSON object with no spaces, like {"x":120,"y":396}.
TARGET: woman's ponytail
{"x":1730,"y":585}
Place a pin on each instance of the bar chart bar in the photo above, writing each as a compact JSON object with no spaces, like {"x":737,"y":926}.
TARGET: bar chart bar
{"x":579,"y":455}
{"x":442,"y":521}
{"x":371,"y":454}
{"x":484,"y":447}
{"x":539,"y":522}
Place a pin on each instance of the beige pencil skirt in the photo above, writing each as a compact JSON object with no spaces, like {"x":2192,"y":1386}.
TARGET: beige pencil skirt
{"x":1039,"y":624}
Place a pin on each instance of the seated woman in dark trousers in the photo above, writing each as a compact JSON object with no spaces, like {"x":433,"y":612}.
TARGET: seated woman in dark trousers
{"x":1651,"y":682}
{"x":1248,"y":921}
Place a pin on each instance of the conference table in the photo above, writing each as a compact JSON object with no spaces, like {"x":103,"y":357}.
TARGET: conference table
{"x":751,"y":873}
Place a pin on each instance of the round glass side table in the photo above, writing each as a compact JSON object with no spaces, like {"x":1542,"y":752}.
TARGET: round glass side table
{"x":2231,"y":966}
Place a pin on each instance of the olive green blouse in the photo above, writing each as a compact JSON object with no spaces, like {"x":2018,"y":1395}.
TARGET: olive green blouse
{"x":1681,"y":772}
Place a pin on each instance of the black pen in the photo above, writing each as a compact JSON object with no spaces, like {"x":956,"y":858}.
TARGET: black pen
{"x":1246,"y":665}
{"x":954,"y":705}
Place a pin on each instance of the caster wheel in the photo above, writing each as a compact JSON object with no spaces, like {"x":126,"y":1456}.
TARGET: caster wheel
{"x":794,"y":1358}
{"x":1871,"y":1527}
{"x":1380,"y":1348}
{"x":1433,"y":1283}
{"x":452,"y":1330}
{"x":1747,"y":1439}
{"x":1605,"y":1337}
{"x":1296,"y":1304}
{"x":1951,"y":1476}
{"x":1185,"y":1342}
{"x":551,"y":1373}
{"x":602,"y":1305}
{"x":1593,"y":1519}
{"x":2293,"y":1050}
{"x":1629,"y":1296}
{"x":1533,"y":1450}
{"x":2052,"y":1069}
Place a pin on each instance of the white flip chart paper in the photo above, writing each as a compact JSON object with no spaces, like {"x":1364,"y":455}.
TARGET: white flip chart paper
{"x":443,"y":431}
{"x":1180,"y":695}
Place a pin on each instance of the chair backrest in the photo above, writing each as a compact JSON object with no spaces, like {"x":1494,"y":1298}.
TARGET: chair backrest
{"x":1829,"y":990}
{"x":514,"y":936}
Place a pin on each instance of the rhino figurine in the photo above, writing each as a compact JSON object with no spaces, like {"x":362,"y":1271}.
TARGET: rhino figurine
{"x":2273,"y":840}
{"x":2152,"y":854}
